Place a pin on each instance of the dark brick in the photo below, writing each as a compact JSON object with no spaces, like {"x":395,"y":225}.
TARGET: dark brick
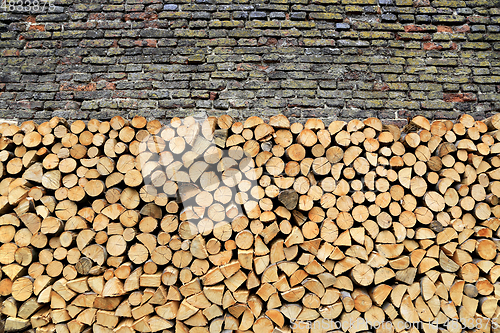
{"x":52,"y":18}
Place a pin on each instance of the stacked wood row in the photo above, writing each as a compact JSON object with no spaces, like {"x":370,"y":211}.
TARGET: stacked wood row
{"x":211,"y":225}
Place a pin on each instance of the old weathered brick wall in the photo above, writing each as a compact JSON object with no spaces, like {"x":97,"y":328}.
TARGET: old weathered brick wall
{"x":304,"y":58}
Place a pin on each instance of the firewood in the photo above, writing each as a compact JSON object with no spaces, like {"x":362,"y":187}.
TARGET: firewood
{"x":252,"y":225}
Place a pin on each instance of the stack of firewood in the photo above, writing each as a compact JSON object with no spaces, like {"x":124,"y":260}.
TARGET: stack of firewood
{"x":207,"y":225}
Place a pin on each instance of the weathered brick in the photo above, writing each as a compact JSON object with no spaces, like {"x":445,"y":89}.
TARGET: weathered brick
{"x":270,"y":103}
{"x":277,"y":16}
{"x":395,"y":104}
{"x":185,"y":33}
{"x":318,"y":42}
{"x":492,"y":97}
{"x":52,"y":18}
{"x":422,"y":19}
{"x":492,"y":37}
{"x":45,"y":87}
{"x":315,"y":59}
{"x":326,"y":16}
{"x":376,"y":35}
{"x":298,"y":16}
{"x":38,"y":68}
{"x":486,"y":79}
{"x":476,"y":45}
{"x":421,"y":70}
{"x":442,"y":62}
{"x":359,"y":2}
{"x":298,"y":84}
{"x":480,"y":71}
{"x":229,"y":75}
{"x":258,"y":15}
{"x":426,"y":86}
{"x":409,"y":53}
{"x":479,"y":3}
{"x":451,"y":79}
{"x":448,"y":3}
{"x":328,"y":84}
{"x":99,"y":60}
{"x":14,"y":44}
{"x":436,"y":105}
{"x":335,"y":94}
{"x":298,"y":25}
{"x":244,"y":33}
{"x":370,"y":94}
{"x":387,"y":68}
{"x":353,"y":9}
{"x":342,"y":26}
{"x":87,"y":7}
{"x":353,"y":43}
{"x":448,"y":19}
{"x":34,"y":34}
{"x":397,"y":86}
{"x":413,"y":35}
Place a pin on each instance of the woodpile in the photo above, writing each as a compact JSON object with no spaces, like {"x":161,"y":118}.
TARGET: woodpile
{"x":217,"y":225}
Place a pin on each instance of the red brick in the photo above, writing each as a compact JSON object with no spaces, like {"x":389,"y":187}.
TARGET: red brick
{"x":444,"y":28}
{"x":432,"y":46}
{"x":460,"y":98}
{"x":413,"y":28}
{"x":244,"y":67}
{"x":151,"y":42}
{"x":39,"y":27}
{"x":110,"y":86}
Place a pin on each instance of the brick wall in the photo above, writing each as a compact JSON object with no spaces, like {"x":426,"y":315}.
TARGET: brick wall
{"x":305,"y":58}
